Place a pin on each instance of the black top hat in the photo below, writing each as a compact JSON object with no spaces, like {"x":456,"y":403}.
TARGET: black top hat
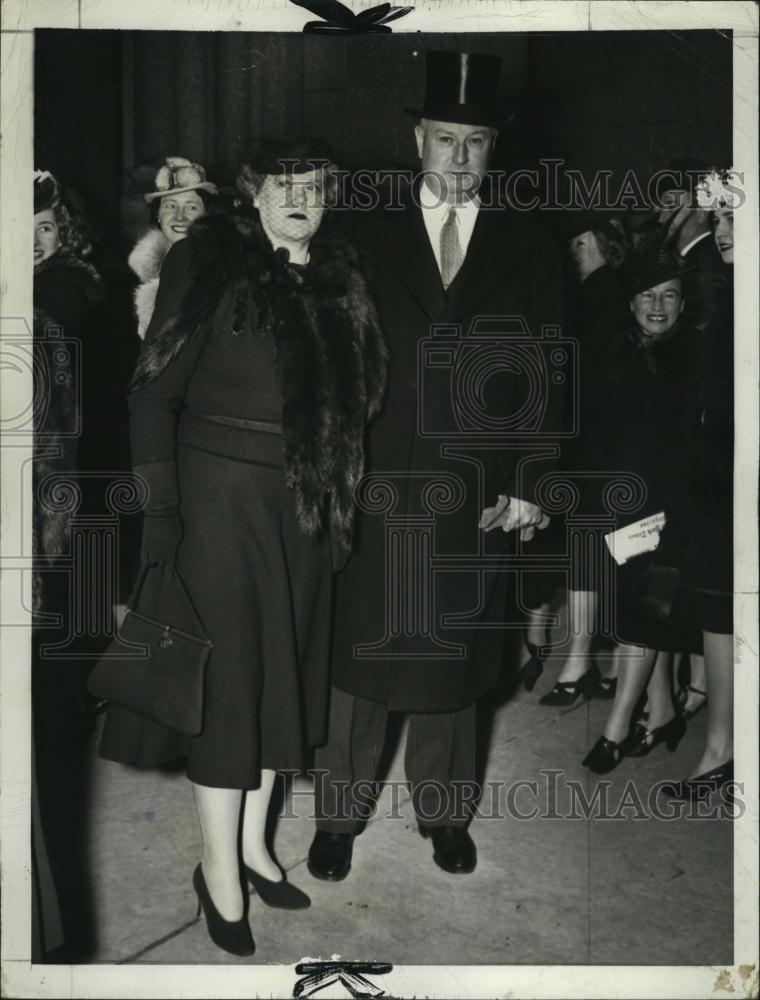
{"x":651,"y":269}
{"x":461,"y":87}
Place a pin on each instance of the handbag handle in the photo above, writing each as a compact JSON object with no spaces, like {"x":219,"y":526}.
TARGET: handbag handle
{"x":169,"y":574}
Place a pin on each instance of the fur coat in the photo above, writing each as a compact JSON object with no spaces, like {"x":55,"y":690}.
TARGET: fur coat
{"x":146,"y":260}
{"x":330,"y":356}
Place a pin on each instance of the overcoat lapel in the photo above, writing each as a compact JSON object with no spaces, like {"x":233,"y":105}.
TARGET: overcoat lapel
{"x":409,"y":253}
{"x":489,"y":260}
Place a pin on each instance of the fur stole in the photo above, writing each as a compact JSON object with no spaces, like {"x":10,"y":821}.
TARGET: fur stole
{"x":330,"y":356}
{"x":65,"y":258}
{"x":146,"y":260}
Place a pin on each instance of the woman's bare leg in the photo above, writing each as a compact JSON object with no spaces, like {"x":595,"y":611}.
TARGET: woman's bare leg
{"x":581,"y":612}
{"x":255,"y":812}
{"x":719,"y":675}
{"x":219,"y":817}
{"x":659,"y":692}
{"x":634,"y":669}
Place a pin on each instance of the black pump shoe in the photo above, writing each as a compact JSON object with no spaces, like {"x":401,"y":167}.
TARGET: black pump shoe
{"x":702,"y":785}
{"x":567,"y":692}
{"x":605,"y":755}
{"x":532,"y":669}
{"x":281,"y":895}
{"x":233,"y":936}
{"x":643,"y":741}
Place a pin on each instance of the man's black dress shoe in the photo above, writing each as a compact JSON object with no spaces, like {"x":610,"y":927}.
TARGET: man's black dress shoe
{"x":453,"y":848}
{"x":330,"y":855}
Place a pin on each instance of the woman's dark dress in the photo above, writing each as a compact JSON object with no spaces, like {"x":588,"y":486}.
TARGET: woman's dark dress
{"x":635,"y":425}
{"x":261,"y":587}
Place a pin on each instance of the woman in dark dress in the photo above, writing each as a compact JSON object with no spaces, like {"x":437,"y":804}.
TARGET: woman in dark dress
{"x":704,"y":480}
{"x":67,"y":295}
{"x":598,"y":249}
{"x":260,"y":368}
{"x":643,"y":384}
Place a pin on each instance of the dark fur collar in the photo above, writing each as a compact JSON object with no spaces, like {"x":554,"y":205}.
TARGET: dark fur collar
{"x":330,"y":356}
{"x":65,"y":258}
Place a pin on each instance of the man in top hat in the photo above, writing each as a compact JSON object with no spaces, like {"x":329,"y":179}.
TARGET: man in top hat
{"x":410,"y":634}
{"x":687,"y":233}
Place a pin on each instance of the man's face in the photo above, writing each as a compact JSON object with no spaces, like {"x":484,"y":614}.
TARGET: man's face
{"x":177,"y":211}
{"x":454,"y":157}
{"x":291,"y":206}
{"x":586,"y":254}
{"x":656,"y":310}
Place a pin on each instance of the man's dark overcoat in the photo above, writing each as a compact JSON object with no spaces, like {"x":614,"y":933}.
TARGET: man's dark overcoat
{"x":418,"y":621}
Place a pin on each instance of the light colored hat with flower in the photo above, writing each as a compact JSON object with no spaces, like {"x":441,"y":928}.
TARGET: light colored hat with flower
{"x":178,"y":175}
{"x":720,"y":189}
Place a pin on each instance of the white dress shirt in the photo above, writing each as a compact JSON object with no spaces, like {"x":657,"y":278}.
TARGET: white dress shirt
{"x":434,"y":213}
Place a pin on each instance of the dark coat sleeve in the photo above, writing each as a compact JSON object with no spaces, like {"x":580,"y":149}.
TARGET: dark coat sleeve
{"x":544,"y":309}
{"x":155,"y":407}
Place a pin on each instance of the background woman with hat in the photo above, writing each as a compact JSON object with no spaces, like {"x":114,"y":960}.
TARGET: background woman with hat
{"x":704,"y":479}
{"x":182,"y":195}
{"x":598,"y":249}
{"x":636,"y":420}
{"x":262,"y":364}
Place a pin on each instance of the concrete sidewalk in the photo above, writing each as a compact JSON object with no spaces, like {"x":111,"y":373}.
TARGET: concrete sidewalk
{"x":557,"y":888}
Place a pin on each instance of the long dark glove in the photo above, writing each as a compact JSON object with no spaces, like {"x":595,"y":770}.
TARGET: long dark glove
{"x":162,"y":526}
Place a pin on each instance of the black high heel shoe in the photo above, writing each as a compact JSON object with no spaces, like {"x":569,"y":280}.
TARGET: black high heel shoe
{"x":643,"y":741}
{"x":683,"y":697}
{"x":233,"y":936}
{"x":281,"y":895}
{"x":606,"y":689}
{"x":532,"y":669}
{"x":605,"y":755}
{"x":567,"y":692}
{"x":698,"y":788}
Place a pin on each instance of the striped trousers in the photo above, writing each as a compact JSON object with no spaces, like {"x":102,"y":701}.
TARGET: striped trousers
{"x":439,"y":763}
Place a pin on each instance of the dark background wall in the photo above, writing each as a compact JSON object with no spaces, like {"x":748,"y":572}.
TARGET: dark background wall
{"x":108,"y":102}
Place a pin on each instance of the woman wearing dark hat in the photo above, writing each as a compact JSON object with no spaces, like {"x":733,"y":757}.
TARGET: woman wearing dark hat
{"x":598,"y":249}
{"x":182,"y":194}
{"x":67,"y":294}
{"x":636,"y":423}
{"x":704,"y":480}
{"x":263,"y":362}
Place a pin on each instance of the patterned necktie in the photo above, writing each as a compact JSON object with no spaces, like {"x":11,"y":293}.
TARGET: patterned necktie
{"x":451,"y":251}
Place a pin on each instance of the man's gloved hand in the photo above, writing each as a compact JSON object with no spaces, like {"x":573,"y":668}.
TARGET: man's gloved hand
{"x":162,"y":526}
{"x":511,"y":514}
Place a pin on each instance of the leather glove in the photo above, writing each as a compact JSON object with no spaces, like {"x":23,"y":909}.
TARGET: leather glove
{"x":162,"y":525}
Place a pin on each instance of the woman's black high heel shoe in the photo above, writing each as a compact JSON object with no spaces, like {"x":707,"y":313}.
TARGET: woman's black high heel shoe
{"x":281,"y":895}
{"x":699,"y":788}
{"x":605,"y":755}
{"x":566,"y":692}
{"x":645,"y":740}
{"x":532,"y":669}
{"x":233,"y":936}
{"x":682,"y":699}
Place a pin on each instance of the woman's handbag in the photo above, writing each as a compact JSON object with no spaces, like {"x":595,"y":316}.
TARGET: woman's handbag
{"x":153,"y":667}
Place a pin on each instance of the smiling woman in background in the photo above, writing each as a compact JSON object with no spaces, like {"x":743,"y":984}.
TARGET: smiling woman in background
{"x":641,"y":390}
{"x":259,"y":371}
{"x":182,"y":195}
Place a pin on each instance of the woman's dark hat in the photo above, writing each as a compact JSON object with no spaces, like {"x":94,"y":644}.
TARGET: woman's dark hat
{"x":47,"y":193}
{"x":272,"y":155}
{"x":649,"y":270}
{"x":462,"y":87}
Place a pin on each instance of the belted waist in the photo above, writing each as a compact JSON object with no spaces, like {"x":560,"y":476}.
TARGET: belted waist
{"x":264,"y":426}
